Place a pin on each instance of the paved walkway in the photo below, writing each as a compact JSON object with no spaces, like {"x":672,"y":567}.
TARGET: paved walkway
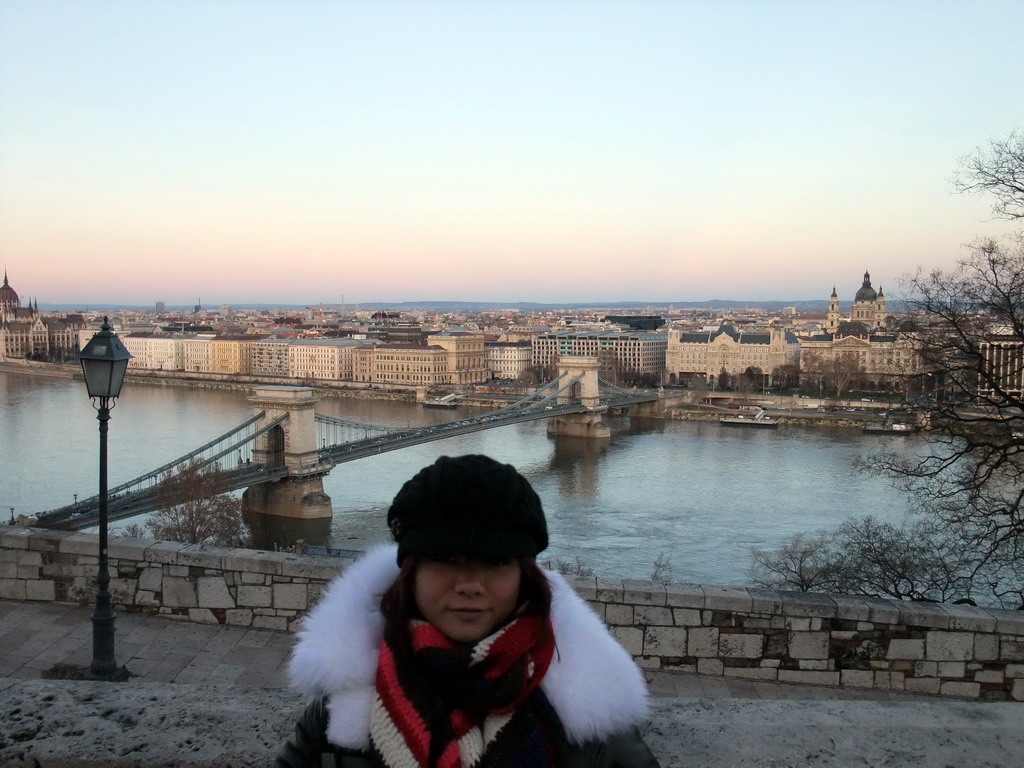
{"x":36,"y":636}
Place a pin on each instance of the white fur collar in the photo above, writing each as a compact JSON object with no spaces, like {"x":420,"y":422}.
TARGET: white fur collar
{"x":593,"y":683}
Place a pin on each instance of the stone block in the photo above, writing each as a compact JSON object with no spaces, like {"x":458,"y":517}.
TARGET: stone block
{"x":889,"y":681}
{"x":584,"y":586}
{"x":122,"y":591}
{"x":255,"y":561}
{"x":279,"y":623}
{"x":203,"y":556}
{"x":212,"y":592}
{"x":767,"y":601}
{"x":648,"y":662}
{"x":12,"y":589}
{"x":181,"y":571}
{"x":127,"y":548}
{"x":610,"y":590}
{"x":618,"y":615}
{"x":664,"y":641}
{"x":1008,"y":622}
{"x":951,"y":669}
{"x":163,"y":552}
{"x":808,"y":604}
{"x":928,"y":685}
{"x":151,"y":579}
{"x":771,"y":663}
{"x":30,"y":559}
{"x":735,"y":599}
{"x":702,"y":642}
{"x":14,"y":537}
{"x":652,"y":616}
{"x":290,"y":596}
{"x":28,"y":572}
{"x":201,"y":616}
{"x":643,"y":592}
{"x":238,"y":617}
{"x":989,"y":676}
{"x":47,"y":540}
{"x":686,"y":617}
{"x":632,"y":639}
{"x":959,"y":689}
{"x":857,"y":678}
{"x":851,"y":608}
{"x":244,"y":577}
{"x":816,"y":664}
{"x":179,"y":593}
{"x":986,"y":647}
{"x":882,"y":610}
{"x":8,"y":570}
{"x":808,"y":645}
{"x":797,"y":624}
{"x":146,"y":598}
{"x":734,"y":645}
{"x":923,"y":615}
{"x":709,"y":667}
{"x":598,"y":609}
{"x":843,"y":635}
{"x":40,"y":590}
{"x":807,"y":677}
{"x":970,"y":618}
{"x":81,"y":544}
{"x":910,"y":649}
{"x":308,"y":567}
{"x":1011,"y":650}
{"x":1017,"y":690}
{"x":684,"y":595}
{"x":1014,"y":670}
{"x":752,"y":673}
{"x":949,"y":646}
{"x":926,"y":669}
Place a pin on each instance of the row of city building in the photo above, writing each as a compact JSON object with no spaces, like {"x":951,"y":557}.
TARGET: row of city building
{"x":389,"y":352}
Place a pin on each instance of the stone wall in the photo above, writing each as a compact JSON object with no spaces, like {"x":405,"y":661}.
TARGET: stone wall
{"x":793,"y":637}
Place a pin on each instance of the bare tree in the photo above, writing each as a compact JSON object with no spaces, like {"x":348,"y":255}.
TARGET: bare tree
{"x":997,"y":170}
{"x":801,"y":564}
{"x":970,"y":333}
{"x":194,"y":509}
{"x":839,"y":371}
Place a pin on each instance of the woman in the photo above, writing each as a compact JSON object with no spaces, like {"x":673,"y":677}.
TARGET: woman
{"x":452,"y":648}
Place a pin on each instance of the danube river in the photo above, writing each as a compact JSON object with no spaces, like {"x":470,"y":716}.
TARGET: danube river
{"x":697,"y":492}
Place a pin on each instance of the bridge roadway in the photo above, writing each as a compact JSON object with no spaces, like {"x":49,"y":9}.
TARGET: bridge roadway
{"x":130,"y":504}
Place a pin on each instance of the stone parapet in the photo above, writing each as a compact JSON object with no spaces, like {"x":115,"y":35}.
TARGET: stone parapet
{"x":758,"y":634}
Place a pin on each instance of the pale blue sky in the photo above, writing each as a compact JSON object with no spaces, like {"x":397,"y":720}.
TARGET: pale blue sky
{"x":298,"y":152}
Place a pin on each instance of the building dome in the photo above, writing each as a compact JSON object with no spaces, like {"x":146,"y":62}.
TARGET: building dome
{"x":8,"y":296}
{"x":866,"y":292}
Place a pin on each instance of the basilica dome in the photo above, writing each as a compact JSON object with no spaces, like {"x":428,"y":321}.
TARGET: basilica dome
{"x":866,"y":292}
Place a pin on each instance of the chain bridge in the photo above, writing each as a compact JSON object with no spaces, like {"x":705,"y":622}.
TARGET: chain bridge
{"x":282,"y":453}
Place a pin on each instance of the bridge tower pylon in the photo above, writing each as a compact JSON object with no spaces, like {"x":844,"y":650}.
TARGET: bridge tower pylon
{"x":587,"y":390}
{"x":291,"y":444}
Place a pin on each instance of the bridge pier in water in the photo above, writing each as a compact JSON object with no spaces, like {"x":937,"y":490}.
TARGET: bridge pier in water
{"x":291,"y":444}
{"x":587,"y":391}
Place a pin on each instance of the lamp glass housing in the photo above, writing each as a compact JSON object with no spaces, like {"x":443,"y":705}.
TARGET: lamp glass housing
{"x":104,"y":362}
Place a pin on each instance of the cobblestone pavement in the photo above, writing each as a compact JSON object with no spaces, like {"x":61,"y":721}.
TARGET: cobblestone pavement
{"x":36,"y":636}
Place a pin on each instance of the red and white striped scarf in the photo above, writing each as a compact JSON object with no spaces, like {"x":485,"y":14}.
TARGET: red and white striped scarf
{"x":455,"y":705}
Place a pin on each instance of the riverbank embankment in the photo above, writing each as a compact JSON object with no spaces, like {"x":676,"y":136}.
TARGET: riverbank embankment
{"x":787,"y":410}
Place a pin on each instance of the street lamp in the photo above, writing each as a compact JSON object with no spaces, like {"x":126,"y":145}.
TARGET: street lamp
{"x":104,"y":361}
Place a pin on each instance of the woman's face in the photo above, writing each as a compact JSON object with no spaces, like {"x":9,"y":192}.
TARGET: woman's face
{"x":465,"y":598}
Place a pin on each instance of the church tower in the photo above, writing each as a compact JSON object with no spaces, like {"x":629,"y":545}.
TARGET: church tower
{"x":832,"y":319}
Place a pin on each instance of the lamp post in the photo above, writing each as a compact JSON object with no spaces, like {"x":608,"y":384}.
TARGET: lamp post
{"x":104,"y":361}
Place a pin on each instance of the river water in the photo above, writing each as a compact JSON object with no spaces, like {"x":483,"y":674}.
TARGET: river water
{"x":698,"y":493}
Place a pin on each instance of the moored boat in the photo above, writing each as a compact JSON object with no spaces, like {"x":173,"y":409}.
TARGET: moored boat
{"x":758,"y":420}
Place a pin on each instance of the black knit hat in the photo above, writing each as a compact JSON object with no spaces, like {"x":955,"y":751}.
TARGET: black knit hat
{"x":468,"y":505}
